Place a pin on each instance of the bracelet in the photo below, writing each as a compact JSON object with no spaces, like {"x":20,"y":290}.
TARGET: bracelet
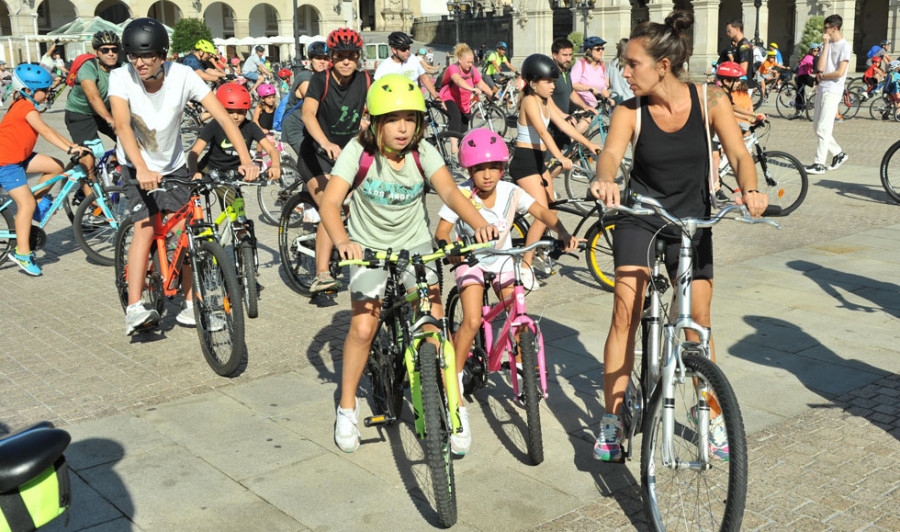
{"x":753,"y":191}
{"x":69,"y":150}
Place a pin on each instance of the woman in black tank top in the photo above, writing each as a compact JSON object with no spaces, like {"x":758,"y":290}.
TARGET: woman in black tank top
{"x":671,"y":165}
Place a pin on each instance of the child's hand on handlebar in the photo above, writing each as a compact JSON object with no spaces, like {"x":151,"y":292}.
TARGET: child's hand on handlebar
{"x":349,"y":250}
{"x":274,"y":173}
{"x":249,"y":171}
{"x":571,"y":241}
{"x":486,"y":233}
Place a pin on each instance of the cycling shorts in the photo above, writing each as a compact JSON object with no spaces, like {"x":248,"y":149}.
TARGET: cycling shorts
{"x":12,"y":176}
{"x":143,"y":205}
{"x":634,"y":243}
{"x":83,"y":128}
{"x":367,"y":284}
{"x":311,"y":161}
{"x":527,"y":162}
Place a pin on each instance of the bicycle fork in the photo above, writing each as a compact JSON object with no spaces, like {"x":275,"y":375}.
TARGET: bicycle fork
{"x":447,"y":361}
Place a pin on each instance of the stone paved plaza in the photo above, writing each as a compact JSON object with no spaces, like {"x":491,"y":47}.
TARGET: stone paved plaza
{"x":804,"y":318}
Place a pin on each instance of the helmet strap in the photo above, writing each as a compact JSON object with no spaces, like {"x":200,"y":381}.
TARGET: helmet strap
{"x":159,"y":73}
{"x":40,"y":107}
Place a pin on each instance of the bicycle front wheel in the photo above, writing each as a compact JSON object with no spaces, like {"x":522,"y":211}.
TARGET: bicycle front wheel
{"x":386,"y":370}
{"x":217,"y":309}
{"x":272,"y":196}
{"x":785,"y":103}
{"x":783,"y":178}
{"x":599,"y":254}
{"x":94,"y":232}
{"x":493,"y":119}
{"x":248,"y":278}
{"x":890,"y":172}
{"x":190,"y":128}
{"x":531,"y":394}
{"x":442,"y":141}
{"x":683,"y":491}
{"x":437,"y":434}
{"x":880,"y":108}
{"x":297,"y":241}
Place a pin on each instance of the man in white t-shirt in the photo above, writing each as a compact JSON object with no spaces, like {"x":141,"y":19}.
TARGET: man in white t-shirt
{"x":147,"y":96}
{"x":403,"y":62}
{"x":832,"y":72}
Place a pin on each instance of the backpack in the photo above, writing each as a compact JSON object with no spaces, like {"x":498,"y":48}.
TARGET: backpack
{"x":872,"y":51}
{"x":328,"y":81}
{"x":76,"y":64}
{"x":366,"y":160}
{"x":281,"y":114}
{"x":439,"y":79}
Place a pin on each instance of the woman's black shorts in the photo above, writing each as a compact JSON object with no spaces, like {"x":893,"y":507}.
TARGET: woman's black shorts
{"x":527,"y":162}
{"x":634,"y":244}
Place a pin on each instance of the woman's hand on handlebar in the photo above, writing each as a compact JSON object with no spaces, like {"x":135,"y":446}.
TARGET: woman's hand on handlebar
{"x":486,"y":233}
{"x":197,"y":176}
{"x":349,"y":250}
{"x":148,"y":179}
{"x":565,"y":162}
{"x":332,"y":150}
{"x":606,"y":191}
{"x":755,"y":201}
{"x":249,"y":171}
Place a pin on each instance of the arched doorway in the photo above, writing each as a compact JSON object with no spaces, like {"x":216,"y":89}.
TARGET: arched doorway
{"x":166,"y":12}
{"x":869,"y":29}
{"x":730,"y":10}
{"x":308,"y":18}
{"x":5,"y":22}
{"x":782,"y":21}
{"x":220,"y":19}
{"x":52,"y":14}
{"x":114,"y":11}
{"x":264,"y":23}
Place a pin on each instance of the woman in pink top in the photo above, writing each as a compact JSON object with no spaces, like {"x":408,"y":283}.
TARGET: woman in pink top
{"x":805,"y":78}
{"x":459,"y":82}
{"x":589,"y":76}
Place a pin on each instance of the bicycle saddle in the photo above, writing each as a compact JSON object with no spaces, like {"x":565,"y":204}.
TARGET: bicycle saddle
{"x":26,"y":454}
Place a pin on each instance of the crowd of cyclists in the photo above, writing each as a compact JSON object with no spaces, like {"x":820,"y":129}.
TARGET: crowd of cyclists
{"x":361,"y":135}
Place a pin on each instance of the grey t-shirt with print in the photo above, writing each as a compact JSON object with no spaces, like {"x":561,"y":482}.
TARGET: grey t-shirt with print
{"x":388,"y":209}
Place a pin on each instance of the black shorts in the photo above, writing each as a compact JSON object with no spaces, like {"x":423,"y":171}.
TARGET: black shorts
{"x":312,"y":161}
{"x":143,"y":205}
{"x":83,"y":128}
{"x":633,"y":244}
{"x":527,"y":162}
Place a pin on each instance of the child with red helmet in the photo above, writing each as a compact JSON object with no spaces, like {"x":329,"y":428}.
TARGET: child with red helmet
{"x":485,"y":154}
{"x":222,"y":155}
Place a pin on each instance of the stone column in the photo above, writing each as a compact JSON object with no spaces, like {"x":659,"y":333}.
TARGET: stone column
{"x":706,"y":37}
{"x":660,"y":9}
{"x":748,"y":13}
{"x":24,"y":24}
{"x":893,"y":29}
{"x":616,"y":22}
{"x":532,"y":28}
{"x":847,"y":10}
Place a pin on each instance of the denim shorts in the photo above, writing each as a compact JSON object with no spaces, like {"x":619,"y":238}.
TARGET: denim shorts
{"x":253,"y":76}
{"x":12,"y":176}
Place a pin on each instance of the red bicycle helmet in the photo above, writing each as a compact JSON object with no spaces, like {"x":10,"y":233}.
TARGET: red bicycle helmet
{"x":730,"y":70}
{"x":284,"y":73}
{"x":234,"y":96}
{"x":344,"y":39}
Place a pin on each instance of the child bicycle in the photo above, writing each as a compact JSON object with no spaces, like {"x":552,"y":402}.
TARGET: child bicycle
{"x":215,"y":285}
{"x":519,"y":338}
{"x":401,"y":347}
{"x":681,"y":401}
{"x":272,"y":199}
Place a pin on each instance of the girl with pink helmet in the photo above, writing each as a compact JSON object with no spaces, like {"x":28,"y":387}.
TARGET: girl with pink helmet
{"x":485,"y":154}
{"x":264,"y":114}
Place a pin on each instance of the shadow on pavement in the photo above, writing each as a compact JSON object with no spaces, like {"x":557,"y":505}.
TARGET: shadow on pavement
{"x":873,"y":193}
{"x":882,"y":294}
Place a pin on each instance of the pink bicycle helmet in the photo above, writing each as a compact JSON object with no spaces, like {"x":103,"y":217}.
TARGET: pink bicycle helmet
{"x":265,"y":90}
{"x":482,"y":146}
{"x":235,"y":61}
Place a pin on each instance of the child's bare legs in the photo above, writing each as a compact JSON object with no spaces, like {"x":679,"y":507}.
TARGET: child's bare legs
{"x":363,"y":323}
{"x":48,"y":167}
{"x":138,"y":256}
{"x":316,"y":187}
{"x":541,"y":193}
{"x":25,"y":205}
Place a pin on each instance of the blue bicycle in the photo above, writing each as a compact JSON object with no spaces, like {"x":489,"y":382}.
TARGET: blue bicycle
{"x":96,"y":218}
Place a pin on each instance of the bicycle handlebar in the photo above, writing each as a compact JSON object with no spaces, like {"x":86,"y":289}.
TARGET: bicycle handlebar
{"x":379,"y":259}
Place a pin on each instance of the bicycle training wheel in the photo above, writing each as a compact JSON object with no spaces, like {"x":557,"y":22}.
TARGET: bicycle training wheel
{"x":248,"y":278}
{"x":682,"y":491}
{"x":437,"y":434}
{"x":94,"y":232}
{"x":783,"y":178}
{"x":217,"y":309}
{"x":297,"y":241}
{"x":599,"y":254}
{"x":386,"y":369}
{"x":531,"y":395}
{"x":7,"y":244}
{"x":890,"y":172}
{"x":272,"y":196}
{"x":153,"y":295}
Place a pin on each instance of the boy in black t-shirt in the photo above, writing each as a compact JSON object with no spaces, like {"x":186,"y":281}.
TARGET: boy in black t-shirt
{"x":222,"y":154}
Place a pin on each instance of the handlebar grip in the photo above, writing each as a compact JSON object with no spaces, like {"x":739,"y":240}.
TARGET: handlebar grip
{"x":772,"y":210}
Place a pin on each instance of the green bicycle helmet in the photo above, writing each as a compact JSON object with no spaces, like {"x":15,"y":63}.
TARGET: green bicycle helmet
{"x":394,"y":92}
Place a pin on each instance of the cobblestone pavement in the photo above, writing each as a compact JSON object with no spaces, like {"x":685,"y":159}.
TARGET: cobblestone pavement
{"x":65,"y":358}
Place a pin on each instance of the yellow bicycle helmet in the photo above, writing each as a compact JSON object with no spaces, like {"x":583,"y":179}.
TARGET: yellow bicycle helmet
{"x":394,"y":92}
{"x":205,"y":46}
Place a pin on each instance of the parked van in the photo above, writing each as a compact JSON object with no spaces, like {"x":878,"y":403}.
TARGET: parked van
{"x":374,"y":54}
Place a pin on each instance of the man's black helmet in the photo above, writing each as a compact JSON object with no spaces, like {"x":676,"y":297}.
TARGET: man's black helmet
{"x":143,"y":35}
{"x":539,"y":66}
{"x":105,"y":37}
{"x":316,"y":49}
{"x":398,"y":39}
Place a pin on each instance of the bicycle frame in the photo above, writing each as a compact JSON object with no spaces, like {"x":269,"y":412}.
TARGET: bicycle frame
{"x":192,"y":215}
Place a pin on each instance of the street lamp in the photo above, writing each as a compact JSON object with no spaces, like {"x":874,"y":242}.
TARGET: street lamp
{"x":756,"y":41}
{"x":585,"y":6}
{"x":458,"y":8}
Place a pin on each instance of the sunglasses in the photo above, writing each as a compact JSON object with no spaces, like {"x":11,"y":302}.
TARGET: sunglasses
{"x":402,"y":48}
{"x":109,"y":50}
{"x":599,"y":48}
{"x":145,"y":57}
{"x":341,"y":56}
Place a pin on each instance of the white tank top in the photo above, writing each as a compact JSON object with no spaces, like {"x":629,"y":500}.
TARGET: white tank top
{"x":528,"y":134}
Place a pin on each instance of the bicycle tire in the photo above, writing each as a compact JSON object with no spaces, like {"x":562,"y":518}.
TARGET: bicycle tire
{"x":757,"y":99}
{"x":785,"y":103}
{"x":67,"y":206}
{"x":494,"y":119}
{"x":476,"y":359}
{"x":272,"y":197}
{"x":599,"y":254}
{"x":297,"y":243}
{"x":577,"y":184}
{"x":889,"y":173}
{"x":783,"y":180}
{"x":441,"y":141}
{"x":694,"y":486}
{"x":216,"y":296}
{"x":190,"y":128}
{"x":8,"y":244}
{"x":850,"y":104}
{"x":93,"y":232}
{"x":879,"y":107}
{"x":248,"y":278}
{"x":519,"y":230}
{"x":386,"y":369}
{"x":810,"y":107}
{"x":153,"y":290}
{"x":437,"y":434}
{"x":531,"y":394}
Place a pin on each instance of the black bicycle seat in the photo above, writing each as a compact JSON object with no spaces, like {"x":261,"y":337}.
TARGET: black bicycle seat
{"x":26,"y":454}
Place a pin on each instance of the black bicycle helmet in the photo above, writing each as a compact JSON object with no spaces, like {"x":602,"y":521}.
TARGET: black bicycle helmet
{"x":398,"y":39}
{"x":105,"y":37}
{"x":316,"y":49}
{"x":539,"y":66}
{"x":143,"y":35}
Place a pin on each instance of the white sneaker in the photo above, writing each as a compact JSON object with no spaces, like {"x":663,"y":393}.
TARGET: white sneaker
{"x":528,"y":280}
{"x":461,"y":442}
{"x":186,"y":316}
{"x":137,"y":316}
{"x":346,"y":429}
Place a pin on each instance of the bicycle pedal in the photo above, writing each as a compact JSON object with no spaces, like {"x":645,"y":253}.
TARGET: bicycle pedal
{"x":378,"y":420}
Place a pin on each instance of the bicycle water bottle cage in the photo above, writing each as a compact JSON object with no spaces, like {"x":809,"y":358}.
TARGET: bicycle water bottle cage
{"x":403,"y":260}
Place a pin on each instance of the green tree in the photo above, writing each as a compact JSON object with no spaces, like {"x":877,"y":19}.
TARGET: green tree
{"x":812,"y":33}
{"x":187,"y":32}
{"x":577,"y":38}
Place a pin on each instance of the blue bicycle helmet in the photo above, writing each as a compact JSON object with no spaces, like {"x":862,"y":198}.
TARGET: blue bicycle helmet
{"x":31,"y":77}
{"x":502,"y":45}
{"x":592,"y":42}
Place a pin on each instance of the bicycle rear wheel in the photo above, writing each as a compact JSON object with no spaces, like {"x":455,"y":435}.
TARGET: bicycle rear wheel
{"x":850,"y":103}
{"x":783,"y":178}
{"x":94,"y":233}
{"x":248,"y":278}
{"x":494,"y":119}
{"x":688,"y":493}
{"x":475,"y":369}
{"x":272,"y":196}
{"x":785,"y":103}
{"x":599,"y":255}
{"x":217,"y":309}
{"x":7,"y":244}
{"x":531,"y":395}
{"x":437,"y":434}
{"x":190,"y":128}
{"x":880,"y":108}
{"x":890,"y":172}
{"x":297,"y":241}
{"x":442,"y":141}
{"x":153,"y":294}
